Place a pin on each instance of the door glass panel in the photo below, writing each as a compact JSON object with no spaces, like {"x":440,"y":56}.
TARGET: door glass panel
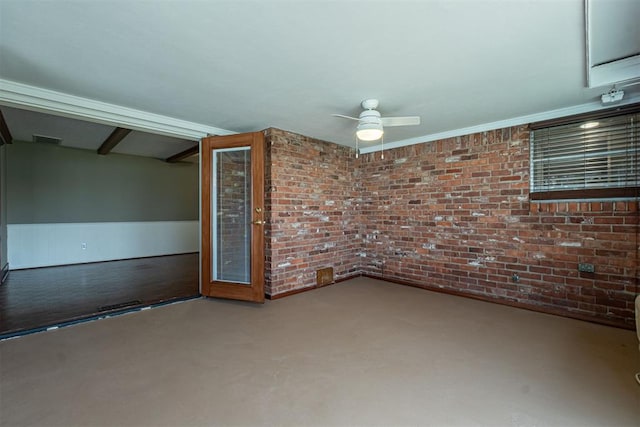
{"x":231,"y":215}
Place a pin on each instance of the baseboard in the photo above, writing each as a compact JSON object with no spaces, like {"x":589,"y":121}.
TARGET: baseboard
{"x":4,"y":273}
{"x":309,"y":288}
{"x":510,"y":303}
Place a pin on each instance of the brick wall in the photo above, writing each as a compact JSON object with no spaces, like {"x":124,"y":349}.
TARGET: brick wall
{"x":452,"y":215}
{"x":455,"y":215}
{"x":311,"y":208}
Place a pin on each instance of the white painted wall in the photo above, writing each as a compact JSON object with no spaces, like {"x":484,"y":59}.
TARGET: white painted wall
{"x":40,"y":245}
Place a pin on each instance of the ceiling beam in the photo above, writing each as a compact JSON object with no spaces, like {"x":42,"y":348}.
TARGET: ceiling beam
{"x":112,"y":140}
{"x":184,"y":154}
{"x":5,"y":135}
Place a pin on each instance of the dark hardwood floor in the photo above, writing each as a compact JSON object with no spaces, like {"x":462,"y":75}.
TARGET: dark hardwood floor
{"x":39,"y":297}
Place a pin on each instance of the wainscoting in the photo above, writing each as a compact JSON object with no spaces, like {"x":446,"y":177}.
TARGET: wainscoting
{"x":43,"y":245}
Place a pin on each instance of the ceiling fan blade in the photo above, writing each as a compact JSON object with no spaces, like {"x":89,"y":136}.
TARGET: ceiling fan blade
{"x":401,"y":121}
{"x":345,"y":117}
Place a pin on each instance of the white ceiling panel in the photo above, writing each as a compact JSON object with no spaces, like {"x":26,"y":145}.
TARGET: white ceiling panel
{"x":149,"y":145}
{"x":23,"y":124}
{"x":614,"y":35}
{"x":248,"y":65}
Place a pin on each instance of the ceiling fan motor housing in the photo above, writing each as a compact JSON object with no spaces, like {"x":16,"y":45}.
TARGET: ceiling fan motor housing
{"x":370,"y":123}
{"x":369,"y":126}
{"x":370,"y":116}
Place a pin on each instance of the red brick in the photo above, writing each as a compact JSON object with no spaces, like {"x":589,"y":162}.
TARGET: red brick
{"x":471,"y":225}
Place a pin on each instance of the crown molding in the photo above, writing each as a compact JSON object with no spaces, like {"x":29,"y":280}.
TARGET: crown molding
{"x":19,"y":95}
{"x":516,"y":121}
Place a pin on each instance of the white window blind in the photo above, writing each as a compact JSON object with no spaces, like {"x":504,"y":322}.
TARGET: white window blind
{"x":578,"y":157}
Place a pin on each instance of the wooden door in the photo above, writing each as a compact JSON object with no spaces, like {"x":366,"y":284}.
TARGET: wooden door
{"x":233,"y":217}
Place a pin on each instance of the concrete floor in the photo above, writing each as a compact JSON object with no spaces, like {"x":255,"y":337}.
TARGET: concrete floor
{"x":362,"y":352}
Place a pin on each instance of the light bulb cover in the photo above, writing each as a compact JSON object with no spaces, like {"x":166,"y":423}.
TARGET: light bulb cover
{"x":369,"y":131}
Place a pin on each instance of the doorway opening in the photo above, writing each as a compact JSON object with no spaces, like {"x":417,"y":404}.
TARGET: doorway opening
{"x":90,"y":232}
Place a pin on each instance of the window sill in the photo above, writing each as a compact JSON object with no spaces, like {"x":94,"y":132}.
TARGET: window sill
{"x":598,"y":194}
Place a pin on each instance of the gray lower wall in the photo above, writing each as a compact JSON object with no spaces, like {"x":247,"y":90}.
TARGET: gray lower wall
{"x":53,"y":184}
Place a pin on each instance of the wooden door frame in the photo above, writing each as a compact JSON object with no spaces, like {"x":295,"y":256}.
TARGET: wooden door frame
{"x":255,"y":292}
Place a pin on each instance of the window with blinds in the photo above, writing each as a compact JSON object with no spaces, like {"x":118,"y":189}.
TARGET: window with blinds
{"x":599,"y":157}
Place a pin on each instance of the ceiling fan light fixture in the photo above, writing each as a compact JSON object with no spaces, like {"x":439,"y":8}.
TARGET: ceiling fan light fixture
{"x":369,"y":131}
{"x":370,"y":123}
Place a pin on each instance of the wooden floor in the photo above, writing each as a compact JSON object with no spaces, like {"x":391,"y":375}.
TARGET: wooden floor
{"x":38,"y":297}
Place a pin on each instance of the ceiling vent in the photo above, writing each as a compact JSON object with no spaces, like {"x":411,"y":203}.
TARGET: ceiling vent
{"x":42,"y":139}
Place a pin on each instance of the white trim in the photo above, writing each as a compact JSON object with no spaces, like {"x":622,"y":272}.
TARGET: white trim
{"x":616,"y":72}
{"x":33,"y":98}
{"x":516,"y":121}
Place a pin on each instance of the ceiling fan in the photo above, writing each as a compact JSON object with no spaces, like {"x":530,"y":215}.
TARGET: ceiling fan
{"x":371,"y":124}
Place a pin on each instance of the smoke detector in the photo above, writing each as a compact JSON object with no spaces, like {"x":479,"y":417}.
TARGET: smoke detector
{"x":613,"y":96}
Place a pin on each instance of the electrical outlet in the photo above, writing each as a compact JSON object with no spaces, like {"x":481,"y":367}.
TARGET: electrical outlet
{"x":83,"y":245}
{"x":586,"y":268}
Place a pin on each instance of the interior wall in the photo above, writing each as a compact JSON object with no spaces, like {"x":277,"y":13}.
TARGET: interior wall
{"x":455,"y":215}
{"x":54,"y":184}
{"x":3,"y":210}
{"x":311,"y":205}
{"x":68,"y":206}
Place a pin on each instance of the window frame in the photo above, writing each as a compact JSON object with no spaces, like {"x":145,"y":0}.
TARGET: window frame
{"x":611,"y":193}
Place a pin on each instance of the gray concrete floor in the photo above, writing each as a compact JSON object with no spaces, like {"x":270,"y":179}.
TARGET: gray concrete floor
{"x":362,"y":352}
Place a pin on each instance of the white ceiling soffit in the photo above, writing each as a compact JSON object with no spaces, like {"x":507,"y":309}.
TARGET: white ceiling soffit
{"x":613,"y":41}
{"x":42,"y":100}
{"x":32,"y":98}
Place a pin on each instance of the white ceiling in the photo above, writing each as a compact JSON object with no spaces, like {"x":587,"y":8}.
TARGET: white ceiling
{"x":248,"y":65}
{"x":615,"y":28}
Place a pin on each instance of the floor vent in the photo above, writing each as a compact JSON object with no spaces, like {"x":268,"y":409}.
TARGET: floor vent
{"x":324,"y":276}
{"x":120,"y":305}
